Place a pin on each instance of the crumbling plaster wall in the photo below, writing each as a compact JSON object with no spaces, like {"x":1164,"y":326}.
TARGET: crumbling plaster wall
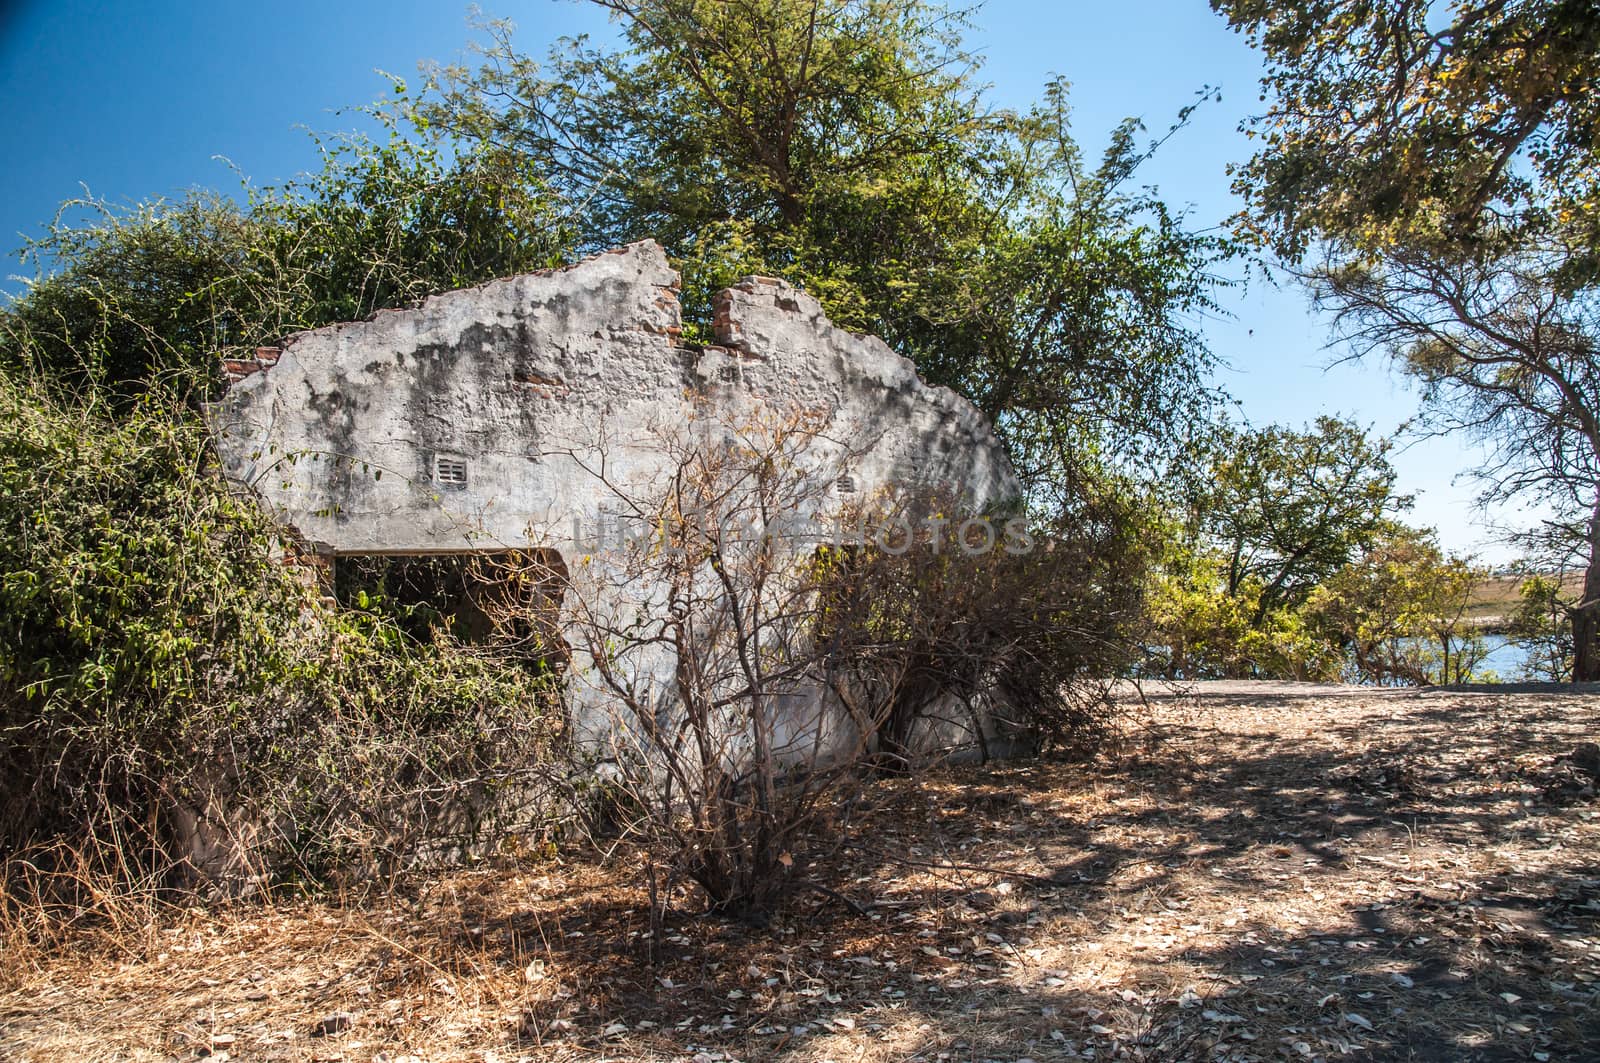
{"x":359,"y":435}
{"x":340,"y":430}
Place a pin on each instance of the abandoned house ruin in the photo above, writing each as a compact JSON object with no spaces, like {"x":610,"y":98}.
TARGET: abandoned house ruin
{"x":505,"y":416}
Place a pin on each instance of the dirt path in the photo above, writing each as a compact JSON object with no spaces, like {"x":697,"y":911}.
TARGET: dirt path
{"x":1262,"y":873}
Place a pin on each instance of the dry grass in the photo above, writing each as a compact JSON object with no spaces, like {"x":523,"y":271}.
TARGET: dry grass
{"x":1304,"y":873}
{"x":1497,"y":597}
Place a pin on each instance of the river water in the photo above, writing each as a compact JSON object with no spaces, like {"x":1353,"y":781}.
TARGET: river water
{"x":1506,"y":658}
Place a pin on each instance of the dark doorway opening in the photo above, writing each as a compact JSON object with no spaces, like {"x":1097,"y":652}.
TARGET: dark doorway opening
{"x":508,"y":601}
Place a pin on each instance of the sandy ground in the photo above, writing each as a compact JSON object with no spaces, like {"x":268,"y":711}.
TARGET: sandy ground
{"x":1259,"y":873}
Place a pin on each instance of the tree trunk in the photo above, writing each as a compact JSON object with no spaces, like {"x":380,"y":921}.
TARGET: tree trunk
{"x":1586,"y":614}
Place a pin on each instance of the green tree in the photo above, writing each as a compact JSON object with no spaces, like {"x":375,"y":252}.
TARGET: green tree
{"x":1539,"y":624}
{"x":846,"y":145}
{"x":1398,"y":120}
{"x":1285,"y":509}
{"x":1399,"y":611}
{"x":1276,"y":512}
{"x":1430,"y":169}
{"x":1205,"y":631}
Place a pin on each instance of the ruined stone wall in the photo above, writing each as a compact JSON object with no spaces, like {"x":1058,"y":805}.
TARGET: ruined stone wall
{"x":517,"y":413}
{"x":471,"y":420}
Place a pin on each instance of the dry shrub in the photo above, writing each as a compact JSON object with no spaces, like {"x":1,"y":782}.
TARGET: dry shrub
{"x":994,"y":628}
{"x":737,"y":677}
{"x":97,"y":895}
{"x":179,"y":708}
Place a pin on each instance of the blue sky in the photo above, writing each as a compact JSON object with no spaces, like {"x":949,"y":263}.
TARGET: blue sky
{"x":135,"y":101}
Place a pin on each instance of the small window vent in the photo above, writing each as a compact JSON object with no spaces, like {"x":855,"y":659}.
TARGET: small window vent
{"x":729,"y":374}
{"x":845,"y":485}
{"x":451,"y":472}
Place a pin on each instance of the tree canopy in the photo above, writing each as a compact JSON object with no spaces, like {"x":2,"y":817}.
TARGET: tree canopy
{"x":128,"y":298}
{"x":1289,"y":508}
{"x":1280,"y":515}
{"x":1430,"y":169}
{"x":848,"y":147}
{"x":1406,"y":120}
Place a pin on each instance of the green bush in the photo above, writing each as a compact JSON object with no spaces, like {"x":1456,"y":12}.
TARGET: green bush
{"x":173,"y":698}
{"x":166,"y":680}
